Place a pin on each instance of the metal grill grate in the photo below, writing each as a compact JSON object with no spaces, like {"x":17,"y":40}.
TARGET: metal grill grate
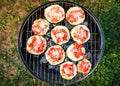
{"x":38,"y":65}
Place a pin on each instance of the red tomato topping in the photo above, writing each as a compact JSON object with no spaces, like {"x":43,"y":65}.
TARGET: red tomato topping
{"x":68,"y":69}
{"x":55,"y":14}
{"x":56,"y":9}
{"x":75,"y":15}
{"x":39,"y":26}
{"x":54,"y":19}
{"x":55,"y":54}
{"x":84,"y":66}
{"x":37,"y":45}
{"x":60,"y":34}
{"x":81,"y":34}
{"x":77,"y":50}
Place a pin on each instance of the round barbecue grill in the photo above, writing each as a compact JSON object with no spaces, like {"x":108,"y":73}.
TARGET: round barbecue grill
{"x":38,"y":65}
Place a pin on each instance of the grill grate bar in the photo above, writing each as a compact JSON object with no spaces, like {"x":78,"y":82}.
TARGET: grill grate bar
{"x":30,"y":60}
{"x":91,"y":44}
{"x":33,"y":57}
{"x":26,"y":53}
{"x":41,"y":75}
{"x":95,"y":46}
{"x":36,"y":56}
{"x":41,"y":65}
{"x":89,"y":29}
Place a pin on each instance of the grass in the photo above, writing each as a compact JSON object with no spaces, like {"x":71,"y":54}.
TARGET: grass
{"x":13,"y":72}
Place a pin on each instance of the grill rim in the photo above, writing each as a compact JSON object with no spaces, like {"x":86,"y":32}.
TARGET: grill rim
{"x":99,"y":55}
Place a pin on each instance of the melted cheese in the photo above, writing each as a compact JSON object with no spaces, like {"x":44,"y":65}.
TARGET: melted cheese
{"x":55,"y":53}
{"x":54,"y":13}
{"x":42,"y":24}
{"x":36,"y":45}
{"x":84,"y":66}
{"x":75,"y":15}
{"x":68,"y":70}
{"x":60,"y":35}
{"x":80,"y":34}
{"x":71,"y":49}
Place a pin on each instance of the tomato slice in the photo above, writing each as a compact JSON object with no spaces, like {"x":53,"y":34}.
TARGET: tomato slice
{"x":84,"y":66}
{"x":75,"y":15}
{"x":77,"y":50}
{"x":55,"y":14}
{"x":68,"y":69}
{"x":36,"y":29}
{"x":55,"y":54}
{"x":60,"y":34}
{"x":39,"y":26}
{"x":36,"y":45}
{"x":81,"y":34}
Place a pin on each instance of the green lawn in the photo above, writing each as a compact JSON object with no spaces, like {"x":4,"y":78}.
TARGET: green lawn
{"x":12,"y":70}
